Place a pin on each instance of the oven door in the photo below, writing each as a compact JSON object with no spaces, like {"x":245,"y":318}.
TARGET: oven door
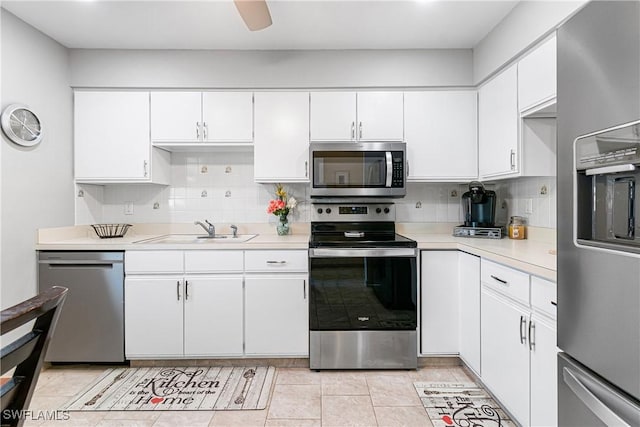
{"x":357,"y":169}
{"x":362,"y":289}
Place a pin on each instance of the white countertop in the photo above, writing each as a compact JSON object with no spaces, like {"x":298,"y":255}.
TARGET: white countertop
{"x":534,"y":256}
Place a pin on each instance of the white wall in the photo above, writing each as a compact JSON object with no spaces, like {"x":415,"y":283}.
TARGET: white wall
{"x":522,"y":27}
{"x":37,"y":182}
{"x":270,"y":69}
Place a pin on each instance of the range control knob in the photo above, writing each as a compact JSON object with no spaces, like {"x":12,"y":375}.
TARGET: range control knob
{"x":319,"y":210}
{"x":378,"y":210}
{"x":386,"y":210}
{"x":328,"y":210}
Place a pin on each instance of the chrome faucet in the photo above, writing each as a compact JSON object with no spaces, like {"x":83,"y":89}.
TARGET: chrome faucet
{"x":234,"y":228}
{"x":209,"y":228}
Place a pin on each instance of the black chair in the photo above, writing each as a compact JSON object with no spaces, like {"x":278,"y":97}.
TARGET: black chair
{"x":26,"y":354}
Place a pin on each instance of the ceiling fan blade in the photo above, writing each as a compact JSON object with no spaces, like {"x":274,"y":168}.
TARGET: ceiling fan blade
{"x":255,"y":13}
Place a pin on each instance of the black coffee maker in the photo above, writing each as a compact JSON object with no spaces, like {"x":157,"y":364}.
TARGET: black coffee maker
{"x":479,"y":206}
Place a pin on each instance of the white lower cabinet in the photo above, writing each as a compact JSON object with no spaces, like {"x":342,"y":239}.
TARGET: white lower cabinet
{"x":277,"y":315}
{"x":518,"y":343}
{"x":505,"y":353}
{"x":469,"y":309}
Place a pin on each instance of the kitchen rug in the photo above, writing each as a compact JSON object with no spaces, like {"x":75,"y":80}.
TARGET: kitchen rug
{"x":460,"y":404}
{"x":177,"y":388}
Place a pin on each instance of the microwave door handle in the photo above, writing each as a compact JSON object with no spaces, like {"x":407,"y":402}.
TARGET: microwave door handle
{"x":632,"y":210}
{"x":610,"y":169}
{"x":389,"y":169}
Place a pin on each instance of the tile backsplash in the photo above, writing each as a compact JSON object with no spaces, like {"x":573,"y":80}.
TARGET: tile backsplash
{"x":219,"y":186}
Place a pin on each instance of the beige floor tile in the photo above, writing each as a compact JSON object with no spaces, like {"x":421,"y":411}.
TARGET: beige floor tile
{"x":345,"y":387}
{"x":298,"y":376}
{"x":133,"y":415}
{"x":409,"y":416}
{"x":184,"y":418}
{"x":239,"y":418}
{"x":347,"y":411}
{"x":462,"y":375}
{"x":390,"y":391}
{"x":125,"y":423}
{"x":44,"y":403}
{"x":293,"y":423}
{"x":295,"y":402}
{"x":434,"y":374}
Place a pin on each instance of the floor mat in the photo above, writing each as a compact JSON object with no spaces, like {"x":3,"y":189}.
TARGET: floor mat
{"x":177,"y":388}
{"x":460,"y":404}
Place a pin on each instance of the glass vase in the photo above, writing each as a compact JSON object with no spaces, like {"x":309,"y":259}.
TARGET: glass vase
{"x":283,"y":226}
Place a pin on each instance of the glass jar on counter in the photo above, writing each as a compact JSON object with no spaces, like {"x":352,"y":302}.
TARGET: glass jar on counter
{"x":517,"y":228}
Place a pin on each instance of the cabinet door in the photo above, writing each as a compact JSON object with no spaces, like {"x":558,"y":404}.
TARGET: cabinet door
{"x":176,"y":116}
{"x":213,"y":317}
{"x":281,"y":141}
{"x":227,"y":116}
{"x":111,"y":135}
{"x":498,"y":125}
{"x":153,"y":316}
{"x":544,"y":372}
{"x":505,"y":353}
{"x":380,"y":116}
{"x":276,"y":315}
{"x":469,"y":280}
{"x":440,"y":129}
{"x":333,"y":116}
{"x":537,"y":75}
{"x":439,"y":302}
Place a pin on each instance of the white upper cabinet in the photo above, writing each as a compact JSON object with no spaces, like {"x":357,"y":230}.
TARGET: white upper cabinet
{"x":537,"y":76}
{"x":498,"y":140}
{"x":440,"y":129}
{"x":176,"y":116}
{"x":196,"y":117}
{"x":111,"y":139}
{"x":361,"y":116}
{"x":281,"y":141}
{"x":333,"y":116}
{"x":380,"y":116}
{"x":227,"y":116}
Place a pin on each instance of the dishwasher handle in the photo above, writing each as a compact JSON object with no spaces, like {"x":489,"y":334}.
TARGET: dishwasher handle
{"x":78,"y":262}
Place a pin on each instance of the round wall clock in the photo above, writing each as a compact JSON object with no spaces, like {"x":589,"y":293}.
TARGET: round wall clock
{"x":21,"y":125}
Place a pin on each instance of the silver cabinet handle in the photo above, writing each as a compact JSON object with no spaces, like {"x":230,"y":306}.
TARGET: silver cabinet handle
{"x":512,"y":159}
{"x":597,"y":406}
{"x":276,"y":262}
{"x":360,"y":130}
{"x":306,"y":169}
{"x":407,"y":163}
{"x":554,"y":303}
{"x":178,"y":289}
{"x":504,"y":282}
{"x":353,"y":130}
{"x":186,"y":290}
{"x":532,"y":331}
{"x":197,"y":130}
{"x":304,"y":289}
{"x":144,"y":166}
{"x":204,"y":130}
{"x":523,"y":324}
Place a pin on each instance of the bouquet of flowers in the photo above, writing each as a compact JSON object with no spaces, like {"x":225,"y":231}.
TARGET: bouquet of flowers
{"x":282,"y":204}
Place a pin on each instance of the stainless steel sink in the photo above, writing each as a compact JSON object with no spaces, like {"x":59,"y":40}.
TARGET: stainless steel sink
{"x":193,"y":238}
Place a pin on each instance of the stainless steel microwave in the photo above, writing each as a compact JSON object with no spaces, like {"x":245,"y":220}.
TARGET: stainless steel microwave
{"x":358,"y":169}
{"x":607,"y":206}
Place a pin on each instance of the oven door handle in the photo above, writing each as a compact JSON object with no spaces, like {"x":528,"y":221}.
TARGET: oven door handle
{"x":363,"y":253}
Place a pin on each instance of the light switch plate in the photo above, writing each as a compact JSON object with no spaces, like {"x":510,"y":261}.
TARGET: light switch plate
{"x":128,"y":208}
{"x":529,"y":206}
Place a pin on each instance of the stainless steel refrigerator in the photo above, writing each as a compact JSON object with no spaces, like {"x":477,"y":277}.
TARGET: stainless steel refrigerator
{"x":598,"y":232}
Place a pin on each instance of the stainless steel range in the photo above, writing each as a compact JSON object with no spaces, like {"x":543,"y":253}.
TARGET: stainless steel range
{"x":363,"y":289}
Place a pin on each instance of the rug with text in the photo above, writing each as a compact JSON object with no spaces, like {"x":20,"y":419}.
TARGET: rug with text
{"x":460,"y":404}
{"x":177,"y":388}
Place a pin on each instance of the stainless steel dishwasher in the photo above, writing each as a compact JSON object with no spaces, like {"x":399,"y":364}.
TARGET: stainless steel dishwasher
{"x":91,"y":324}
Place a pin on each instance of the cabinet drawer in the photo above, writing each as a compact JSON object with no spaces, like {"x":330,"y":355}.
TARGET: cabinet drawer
{"x":543,"y":295}
{"x":151,"y":262}
{"x":508,"y":281}
{"x":213,"y":261}
{"x":267,"y":261}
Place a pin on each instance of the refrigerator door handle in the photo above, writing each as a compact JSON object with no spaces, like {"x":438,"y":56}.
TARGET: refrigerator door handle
{"x":599,"y":408}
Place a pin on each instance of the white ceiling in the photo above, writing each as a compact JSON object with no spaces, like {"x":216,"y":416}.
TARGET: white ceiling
{"x":299,"y":24}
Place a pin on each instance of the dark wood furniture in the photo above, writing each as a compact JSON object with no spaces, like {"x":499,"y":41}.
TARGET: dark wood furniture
{"x":26,"y":354}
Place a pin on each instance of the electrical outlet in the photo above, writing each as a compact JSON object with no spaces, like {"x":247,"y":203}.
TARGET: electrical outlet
{"x":543,"y":190}
{"x":204,"y":169}
{"x":528,"y":206}
{"x":454,"y":193}
{"x":227,"y":169}
{"x":418,"y":205}
{"x":128,"y":208}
